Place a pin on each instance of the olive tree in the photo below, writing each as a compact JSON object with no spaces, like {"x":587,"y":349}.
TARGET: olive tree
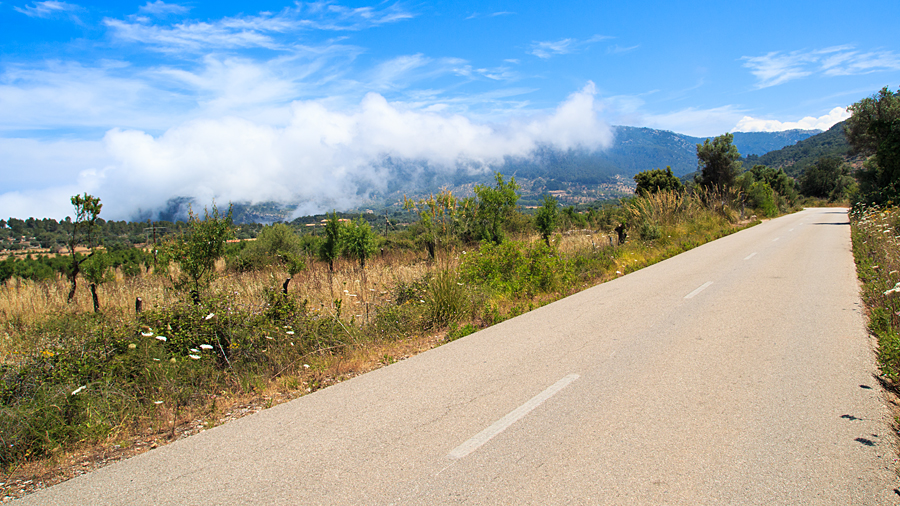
{"x":87,"y":209}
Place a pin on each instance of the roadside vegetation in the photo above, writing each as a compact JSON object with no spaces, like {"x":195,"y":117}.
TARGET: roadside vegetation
{"x":874,"y":132}
{"x":105,"y":342}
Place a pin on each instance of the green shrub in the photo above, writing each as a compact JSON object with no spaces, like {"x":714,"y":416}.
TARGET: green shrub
{"x":446,"y":300}
{"x":516,"y":268}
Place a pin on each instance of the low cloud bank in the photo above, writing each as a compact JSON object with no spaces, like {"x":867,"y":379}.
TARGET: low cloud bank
{"x":321,"y":157}
{"x":749,"y":124}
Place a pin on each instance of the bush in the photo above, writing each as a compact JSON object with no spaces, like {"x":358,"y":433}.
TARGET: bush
{"x":446,"y":300}
{"x":516,"y":268}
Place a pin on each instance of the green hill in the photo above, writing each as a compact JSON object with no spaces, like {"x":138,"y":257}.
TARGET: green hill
{"x":796,"y":158}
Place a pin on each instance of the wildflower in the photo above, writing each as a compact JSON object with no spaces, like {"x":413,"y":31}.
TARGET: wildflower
{"x":156,"y":359}
{"x":306,"y":366}
{"x":292,"y":343}
{"x":270,"y":337}
{"x":195,"y":350}
{"x":79,"y":389}
{"x":422,"y":301}
{"x":206,"y":347}
{"x":147,"y":334}
{"x":132,"y":346}
{"x":161,"y":338}
{"x":896,"y":289}
{"x":195,"y":357}
{"x":290,"y":332}
{"x":157,"y":402}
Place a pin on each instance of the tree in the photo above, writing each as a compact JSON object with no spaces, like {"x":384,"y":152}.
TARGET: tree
{"x":97,"y":271}
{"x":718,"y":162}
{"x":652,"y":181}
{"x":545,"y":218}
{"x":276,"y":244}
{"x":197,"y":250}
{"x":437,"y":216}
{"x":87,"y":208}
{"x":874,"y":129}
{"x":359,"y":241}
{"x":494,"y":207}
{"x":330,"y":248}
{"x":828,"y":179}
{"x":782,"y":184}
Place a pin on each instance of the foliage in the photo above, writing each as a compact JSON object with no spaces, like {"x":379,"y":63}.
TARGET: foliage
{"x":97,"y":271}
{"x":718,"y":162}
{"x":515,"y":267}
{"x":276,"y":244}
{"x":761,"y":197}
{"x":438,"y":216}
{"x":876,"y":243}
{"x":494,"y":207}
{"x":545,"y":218}
{"x":197,"y":250}
{"x":656,"y":180}
{"x":874,"y":129}
{"x":330,"y":248}
{"x":776,"y":179}
{"x":359,"y":241}
{"x":87,"y":207}
{"x":446,"y":300}
{"x":828,"y":179}
{"x":794,"y":159}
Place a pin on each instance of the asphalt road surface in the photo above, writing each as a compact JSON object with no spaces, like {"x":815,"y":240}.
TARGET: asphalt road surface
{"x":737,"y":373}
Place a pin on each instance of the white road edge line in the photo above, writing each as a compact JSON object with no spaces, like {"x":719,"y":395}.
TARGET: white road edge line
{"x":702,"y":287}
{"x":775,"y":239}
{"x":751,"y":255}
{"x":514,"y":416}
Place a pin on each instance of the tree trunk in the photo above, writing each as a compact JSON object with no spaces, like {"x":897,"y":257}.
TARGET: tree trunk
{"x":284,"y":286}
{"x":73,"y":280}
{"x":96,"y":299}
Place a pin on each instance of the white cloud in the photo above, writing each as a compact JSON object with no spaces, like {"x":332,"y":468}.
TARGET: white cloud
{"x":750,"y":124}
{"x":322,"y":156}
{"x":547,"y":49}
{"x":160,"y":8}
{"x":617,"y":49}
{"x":264,"y":30}
{"x":48,"y":9}
{"x":776,"y":67}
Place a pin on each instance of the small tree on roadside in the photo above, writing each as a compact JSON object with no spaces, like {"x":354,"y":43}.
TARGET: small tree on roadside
{"x":330,"y":248}
{"x":545,"y":218}
{"x":87,"y":208}
{"x":97,"y":271}
{"x":359,"y":241}
{"x":438,"y":217}
{"x":718,"y":162}
{"x":197,"y":251}
{"x":494,"y":207}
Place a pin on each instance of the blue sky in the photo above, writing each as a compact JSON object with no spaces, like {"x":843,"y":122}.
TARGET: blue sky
{"x":137,"y":102}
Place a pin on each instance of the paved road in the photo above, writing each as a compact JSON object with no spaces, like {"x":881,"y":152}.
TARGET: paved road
{"x":737,"y":373}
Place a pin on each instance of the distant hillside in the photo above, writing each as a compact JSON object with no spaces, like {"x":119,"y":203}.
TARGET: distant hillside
{"x":796,"y":158}
{"x":760,"y":143}
{"x":638,"y":149}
